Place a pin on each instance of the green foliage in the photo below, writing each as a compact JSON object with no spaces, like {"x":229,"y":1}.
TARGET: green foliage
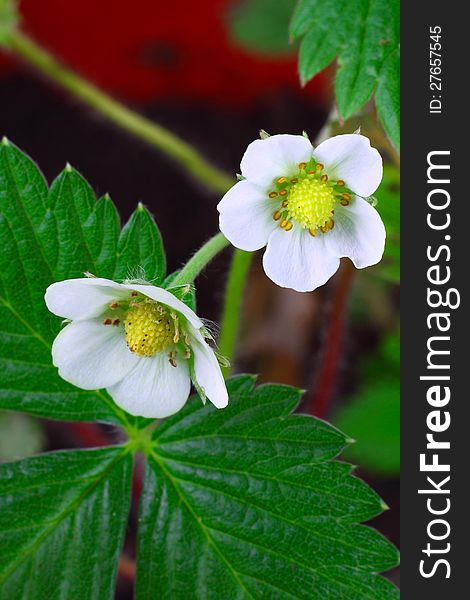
{"x":364,"y":35}
{"x":45,"y":236}
{"x":387,"y":97}
{"x":140,"y":244}
{"x":372,"y":416}
{"x":261,"y":26}
{"x":250,"y":501}
{"x":62,"y":535}
{"x":246,"y":502}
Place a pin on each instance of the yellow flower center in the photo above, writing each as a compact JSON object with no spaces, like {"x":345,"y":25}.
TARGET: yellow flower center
{"x":150,"y":328}
{"x":311,"y":202}
{"x":308,"y":199}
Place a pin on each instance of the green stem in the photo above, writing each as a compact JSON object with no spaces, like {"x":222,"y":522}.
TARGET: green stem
{"x":232,"y":306}
{"x":167,"y":142}
{"x":197,"y":263}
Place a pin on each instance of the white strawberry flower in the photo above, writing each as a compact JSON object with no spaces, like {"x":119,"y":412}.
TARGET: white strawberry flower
{"x":138,"y":341}
{"x":307,"y":206}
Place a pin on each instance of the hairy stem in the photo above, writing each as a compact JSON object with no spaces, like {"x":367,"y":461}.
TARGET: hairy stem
{"x":231,"y":314}
{"x":156,"y":135}
{"x":203,"y":256}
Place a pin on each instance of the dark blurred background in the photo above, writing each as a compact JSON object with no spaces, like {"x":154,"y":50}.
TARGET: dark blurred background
{"x":215,"y":72}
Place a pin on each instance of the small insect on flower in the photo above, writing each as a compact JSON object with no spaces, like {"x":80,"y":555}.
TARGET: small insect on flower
{"x":307,"y":206}
{"x":138,"y":341}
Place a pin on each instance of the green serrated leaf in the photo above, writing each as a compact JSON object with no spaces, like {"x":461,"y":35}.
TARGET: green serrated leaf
{"x":45,"y":236}
{"x":373,"y":36}
{"x":105,"y":219}
{"x":80,"y":226}
{"x":322,"y":42}
{"x":140,"y":250}
{"x":249,"y":500}
{"x":363,"y":34}
{"x":62,"y":535}
{"x":387,"y":97}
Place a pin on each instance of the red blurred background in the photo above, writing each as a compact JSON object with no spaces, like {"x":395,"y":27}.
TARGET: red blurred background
{"x":152,"y":50}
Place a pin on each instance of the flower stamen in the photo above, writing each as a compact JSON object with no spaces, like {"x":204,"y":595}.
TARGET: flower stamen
{"x":309,"y":199}
{"x":172,"y":358}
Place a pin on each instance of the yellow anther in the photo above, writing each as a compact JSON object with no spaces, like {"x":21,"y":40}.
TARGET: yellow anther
{"x":176,"y":337}
{"x":277,"y":215}
{"x":289,"y":226}
{"x":345,"y":199}
{"x":285,"y":203}
{"x":172,"y":358}
{"x":294,"y":180}
{"x":313,"y":232}
{"x":284,"y":223}
{"x":302,"y":166}
{"x":328,"y":226}
{"x":324,"y":177}
{"x":272,"y":194}
{"x":283,"y":193}
{"x":282,"y":180}
{"x":340,"y":182}
{"x":319,"y":167}
{"x":344,"y":202}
